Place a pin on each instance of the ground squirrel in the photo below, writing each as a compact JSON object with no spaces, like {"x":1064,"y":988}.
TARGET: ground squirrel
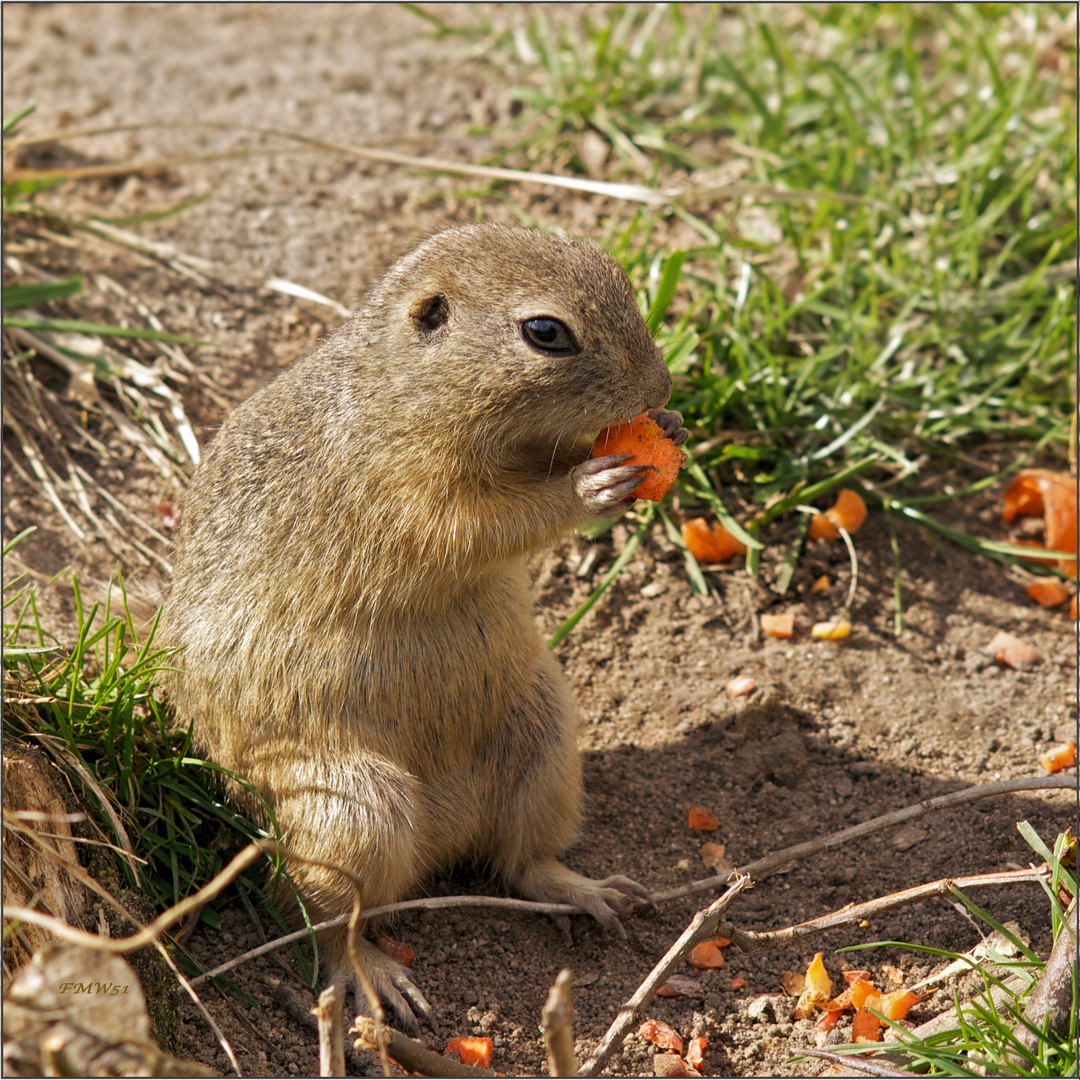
{"x":350,"y":590}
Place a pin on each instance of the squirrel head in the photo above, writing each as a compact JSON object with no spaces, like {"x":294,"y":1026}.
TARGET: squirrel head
{"x":529,"y":337}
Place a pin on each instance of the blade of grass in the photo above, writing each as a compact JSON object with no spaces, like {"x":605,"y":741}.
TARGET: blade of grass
{"x":616,"y":567}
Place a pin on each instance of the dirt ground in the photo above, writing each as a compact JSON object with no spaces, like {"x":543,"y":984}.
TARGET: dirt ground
{"x":834,"y":734}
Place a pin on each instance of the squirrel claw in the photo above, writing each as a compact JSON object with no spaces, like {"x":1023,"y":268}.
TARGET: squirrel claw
{"x":606,"y":486}
{"x":670,"y":423}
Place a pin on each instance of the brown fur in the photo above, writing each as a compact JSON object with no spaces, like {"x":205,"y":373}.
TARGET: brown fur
{"x":350,"y":588}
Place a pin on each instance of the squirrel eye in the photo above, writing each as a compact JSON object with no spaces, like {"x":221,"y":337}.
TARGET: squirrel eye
{"x":549,"y":335}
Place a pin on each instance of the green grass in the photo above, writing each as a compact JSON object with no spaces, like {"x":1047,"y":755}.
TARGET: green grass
{"x":94,"y":707}
{"x":984,"y":1040}
{"x":893,"y":284}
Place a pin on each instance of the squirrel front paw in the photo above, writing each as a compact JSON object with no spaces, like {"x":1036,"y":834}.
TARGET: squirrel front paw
{"x":606,"y":486}
{"x":670,"y":423}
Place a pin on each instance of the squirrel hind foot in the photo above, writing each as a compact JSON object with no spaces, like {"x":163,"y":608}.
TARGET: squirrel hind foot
{"x":550,"y":882}
{"x":394,"y":986}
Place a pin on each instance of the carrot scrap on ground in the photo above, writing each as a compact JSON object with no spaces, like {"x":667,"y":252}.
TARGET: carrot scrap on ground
{"x":401,"y":951}
{"x":1059,"y":757}
{"x":892,"y":971}
{"x":1048,"y":591}
{"x":1072,"y":608}
{"x":738,"y":984}
{"x":643,"y":439}
{"x":821,"y":585}
{"x":660,"y":1034}
{"x":855,"y":975}
{"x":826,"y":1022}
{"x":831,"y":631}
{"x":471,"y":1051}
{"x":818,"y":988}
{"x":672,"y":1065}
{"x":861,"y":991}
{"x":898,"y":1003}
{"x":710,"y":544}
{"x":741,"y":685}
{"x":702,"y":820}
{"x":862,"y":994}
{"x":1010,"y":650}
{"x":839,"y":1003}
{"x":695,"y":1052}
{"x":778,"y":626}
{"x":849,"y":511}
{"x":1051,"y":496}
{"x":705,"y":955}
{"x":865,"y":1027}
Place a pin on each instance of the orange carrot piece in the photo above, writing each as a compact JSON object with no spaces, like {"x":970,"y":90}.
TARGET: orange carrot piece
{"x":855,"y":975}
{"x":778,"y":626}
{"x":701,"y":819}
{"x":710,"y":544}
{"x":741,"y":685}
{"x":865,"y":1027}
{"x":705,"y":955}
{"x":1051,"y":495}
{"x":695,"y":1052}
{"x":401,"y":951}
{"x":861,"y":991}
{"x":471,"y":1051}
{"x":1048,"y":591}
{"x":643,"y":439}
{"x":1059,"y":757}
{"x":1010,"y":650}
{"x":660,"y":1034}
{"x":896,"y":1005}
{"x":831,"y":631}
{"x":849,"y":511}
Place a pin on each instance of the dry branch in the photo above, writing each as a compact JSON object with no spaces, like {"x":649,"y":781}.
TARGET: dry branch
{"x":410,"y":1054}
{"x":331,"y":1037}
{"x":749,"y":942}
{"x":859,"y":1066}
{"x":557,"y":1024}
{"x":755,"y":869}
{"x":702,"y":926}
{"x":1050,"y":1003}
{"x":761,"y":868}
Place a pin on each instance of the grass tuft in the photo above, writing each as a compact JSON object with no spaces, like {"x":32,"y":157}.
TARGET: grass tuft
{"x":95,"y":709}
{"x":876,"y":231}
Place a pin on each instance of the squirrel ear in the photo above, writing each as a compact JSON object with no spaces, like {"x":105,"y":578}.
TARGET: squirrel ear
{"x":428,"y":313}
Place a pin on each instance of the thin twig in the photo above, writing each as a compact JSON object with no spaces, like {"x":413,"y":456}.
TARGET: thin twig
{"x":154,"y":930}
{"x":431,"y":903}
{"x":331,"y":1035}
{"x":758,"y":869}
{"x":681,"y":194}
{"x":702,"y":926}
{"x":861,"y":1066}
{"x":410,"y":1054}
{"x":79,"y":874}
{"x":761,"y":868}
{"x":557,"y":1024}
{"x":749,"y":941}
